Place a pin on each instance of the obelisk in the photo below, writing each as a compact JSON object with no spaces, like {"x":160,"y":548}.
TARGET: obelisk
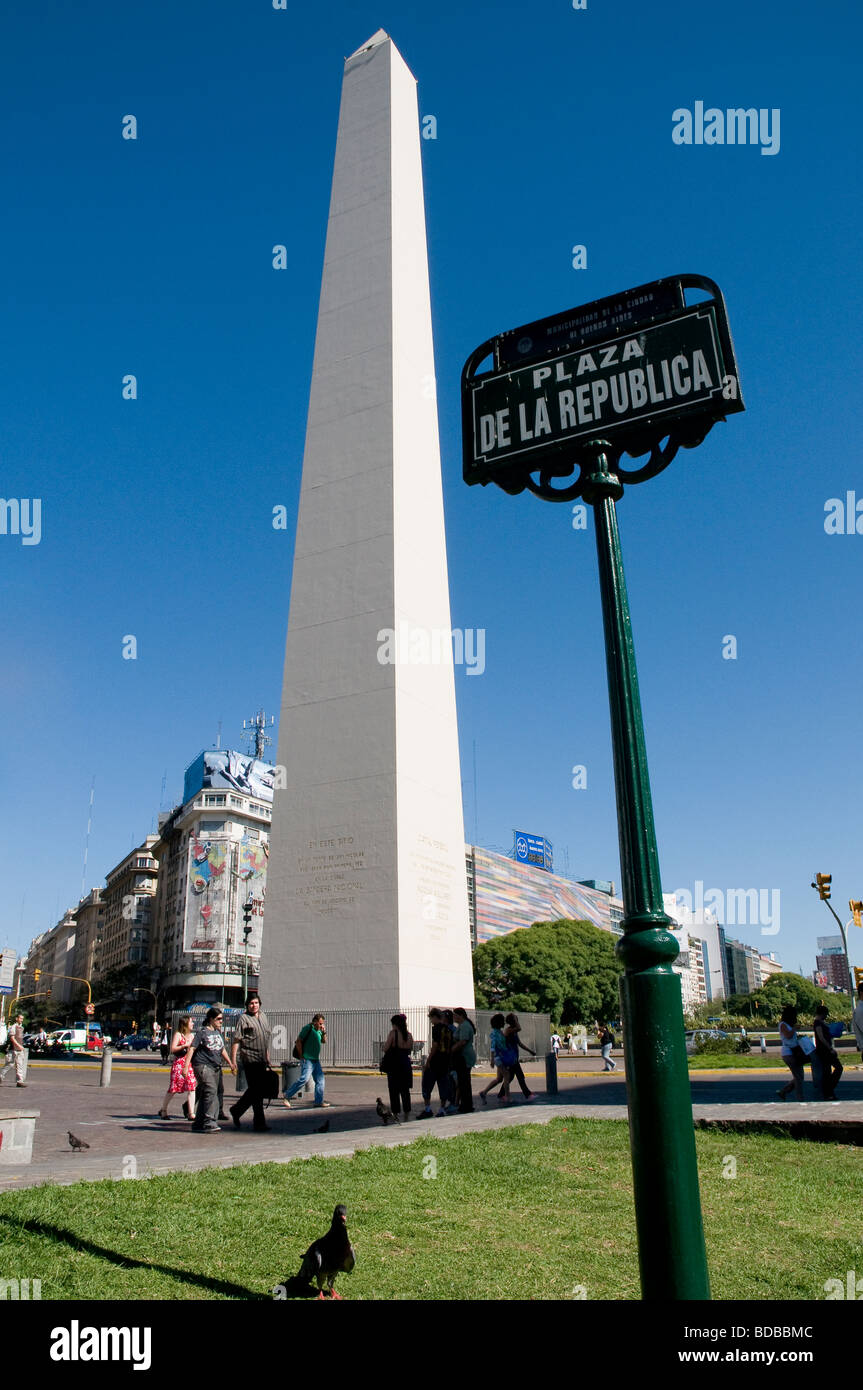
{"x":366,"y":896}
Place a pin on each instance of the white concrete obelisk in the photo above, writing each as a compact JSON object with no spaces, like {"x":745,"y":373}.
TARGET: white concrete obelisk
{"x":366,"y":896}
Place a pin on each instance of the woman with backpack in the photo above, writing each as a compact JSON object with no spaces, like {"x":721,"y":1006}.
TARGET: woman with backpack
{"x":396,"y":1064}
{"x":503,"y":1057}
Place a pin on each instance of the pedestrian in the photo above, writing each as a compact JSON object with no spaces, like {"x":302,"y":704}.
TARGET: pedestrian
{"x":396,"y":1064}
{"x":15,"y":1051}
{"x":555,"y":1043}
{"x":308,"y":1047}
{"x":464,"y":1059}
{"x":503,"y":1057}
{"x":165,"y":1043}
{"x":182,"y":1081}
{"x":252,"y":1034}
{"x":792,"y":1053}
{"x":825,"y":1051}
{"x":512,"y":1035}
{"x":606,"y":1043}
{"x":857,"y":1020}
{"x":568,"y":1045}
{"x":438,"y":1065}
{"x":205,"y":1059}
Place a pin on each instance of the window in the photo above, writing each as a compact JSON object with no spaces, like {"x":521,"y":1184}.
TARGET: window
{"x":211,"y":800}
{"x":237,"y":801}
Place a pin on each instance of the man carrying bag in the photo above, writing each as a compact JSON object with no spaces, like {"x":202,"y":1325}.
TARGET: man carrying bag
{"x":252,"y":1035}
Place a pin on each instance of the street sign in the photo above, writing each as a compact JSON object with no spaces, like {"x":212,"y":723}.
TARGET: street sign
{"x":625,"y":369}
{"x":7,"y":970}
{"x":589,"y":323}
{"x":89,"y":1009}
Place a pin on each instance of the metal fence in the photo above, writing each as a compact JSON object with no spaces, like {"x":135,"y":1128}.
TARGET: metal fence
{"x":356,"y":1037}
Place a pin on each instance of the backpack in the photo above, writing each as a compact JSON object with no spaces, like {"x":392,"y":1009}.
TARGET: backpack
{"x":305,"y":1033}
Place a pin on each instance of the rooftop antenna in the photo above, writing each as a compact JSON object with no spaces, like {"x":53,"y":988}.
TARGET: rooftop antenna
{"x":87,"y":837}
{"x":475,"y":813}
{"x":256,"y":727}
{"x":219,"y":737}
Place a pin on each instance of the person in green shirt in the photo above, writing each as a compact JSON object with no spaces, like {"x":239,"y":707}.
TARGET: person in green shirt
{"x":308,"y":1045}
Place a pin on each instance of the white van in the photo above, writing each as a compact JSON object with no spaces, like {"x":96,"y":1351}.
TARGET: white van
{"x":73,"y":1038}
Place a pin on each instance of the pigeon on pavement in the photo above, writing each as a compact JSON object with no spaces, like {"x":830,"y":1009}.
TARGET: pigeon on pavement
{"x":385,"y":1114}
{"x":333,"y":1254}
{"x":75,"y":1143}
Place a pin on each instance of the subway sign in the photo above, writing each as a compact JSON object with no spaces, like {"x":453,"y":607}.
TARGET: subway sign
{"x":629,"y":387}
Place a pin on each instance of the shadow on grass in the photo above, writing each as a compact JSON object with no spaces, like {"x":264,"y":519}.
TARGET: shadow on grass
{"x":62,"y":1237}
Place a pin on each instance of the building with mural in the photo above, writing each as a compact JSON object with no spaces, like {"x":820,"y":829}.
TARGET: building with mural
{"x":504,"y":894}
{"x":212,"y":852}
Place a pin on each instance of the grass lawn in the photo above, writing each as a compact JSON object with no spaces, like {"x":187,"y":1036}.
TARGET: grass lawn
{"x":526,"y":1212}
{"x":718,"y":1061}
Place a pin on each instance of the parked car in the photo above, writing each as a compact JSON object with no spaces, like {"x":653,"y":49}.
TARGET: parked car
{"x":134,"y":1042}
{"x":696,"y":1035}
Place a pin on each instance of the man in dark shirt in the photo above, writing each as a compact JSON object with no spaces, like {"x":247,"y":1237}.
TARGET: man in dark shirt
{"x":831,"y":1067}
{"x":252,"y":1035}
{"x":206,"y":1062}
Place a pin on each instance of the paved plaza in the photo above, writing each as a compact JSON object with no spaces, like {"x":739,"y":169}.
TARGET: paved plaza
{"x":127,"y":1138}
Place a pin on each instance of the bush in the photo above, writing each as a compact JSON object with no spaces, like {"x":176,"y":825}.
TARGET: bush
{"x":711,"y":1046}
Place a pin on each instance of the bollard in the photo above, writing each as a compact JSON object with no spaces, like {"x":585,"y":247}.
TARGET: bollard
{"x":551,"y":1073}
{"x":105,"y":1072}
{"x":763,"y":1043}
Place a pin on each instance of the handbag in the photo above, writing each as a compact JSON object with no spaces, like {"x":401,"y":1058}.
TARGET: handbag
{"x":298,"y":1051}
{"x":389,"y":1061}
{"x":271,"y":1084}
{"x":807,"y":1046}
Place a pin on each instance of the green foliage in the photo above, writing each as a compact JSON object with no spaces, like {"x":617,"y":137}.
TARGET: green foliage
{"x":713,"y":1046}
{"x":763,"y":1007}
{"x":563,"y":968}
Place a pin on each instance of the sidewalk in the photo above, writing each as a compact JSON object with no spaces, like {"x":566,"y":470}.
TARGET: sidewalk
{"x":128,"y":1140}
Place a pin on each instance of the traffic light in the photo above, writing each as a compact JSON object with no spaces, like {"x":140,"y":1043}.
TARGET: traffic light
{"x":858,"y":976}
{"x":856,"y":913}
{"x":822,"y":883}
{"x":1,"y":957}
{"x":247,"y":910}
{"x":36,"y":975}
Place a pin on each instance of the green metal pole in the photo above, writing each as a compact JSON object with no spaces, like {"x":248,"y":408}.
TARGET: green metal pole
{"x":671,"y":1251}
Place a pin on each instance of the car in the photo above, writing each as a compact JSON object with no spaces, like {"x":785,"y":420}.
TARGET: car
{"x":135,"y":1042}
{"x":696,"y":1035}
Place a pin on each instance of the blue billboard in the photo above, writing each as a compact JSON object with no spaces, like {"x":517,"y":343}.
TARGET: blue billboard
{"x":534,"y":850}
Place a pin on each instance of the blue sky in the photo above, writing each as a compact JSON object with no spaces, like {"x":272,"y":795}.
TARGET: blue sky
{"x":553,"y":129}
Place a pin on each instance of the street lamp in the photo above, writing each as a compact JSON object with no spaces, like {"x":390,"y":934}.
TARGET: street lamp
{"x":822,"y":884}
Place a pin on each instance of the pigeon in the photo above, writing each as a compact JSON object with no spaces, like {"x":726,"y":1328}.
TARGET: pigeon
{"x":322,"y":1129}
{"x":386,"y":1114}
{"x":76,"y":1143}
{"x":331,"y":1255}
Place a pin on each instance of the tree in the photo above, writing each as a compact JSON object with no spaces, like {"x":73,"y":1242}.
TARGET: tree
{"x":765,"y":1005}
{"x":565,"y":969}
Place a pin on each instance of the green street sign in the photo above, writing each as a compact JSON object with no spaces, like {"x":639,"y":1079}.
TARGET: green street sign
{"x":633,"y":387}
